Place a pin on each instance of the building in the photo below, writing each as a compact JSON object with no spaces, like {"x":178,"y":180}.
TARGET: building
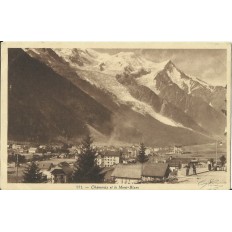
{"x":99,"y":160}
{"x":11,"y":165}
{"x":106,"y":174}
{"x":177,"y":149}
{"x":46,"y":170}
{"x":42,"y":146}
{"x":32,"y":150}
{"x":58,"y":175}
{"x":127,"y":174}
{"x":61,"y":174}
{"x":174,"y":163}
{"x":148,"y":151}
{"x":157,"y":172}
{"x":16,"y":146}
{"x":178,"y":163}
{"x":141,"y":173}
{"x":156,"y":149}
{"x":28,"y":156}
{"x":108,"y":158}
{"x":73,"y":150}
{"x":132,"y":152}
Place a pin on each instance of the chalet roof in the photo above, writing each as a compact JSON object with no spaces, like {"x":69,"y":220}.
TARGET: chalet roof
{"x":174,"y":162}
{"x":110,"y":153}
{"x":63,"y":164}
{"x":106,"y":169}
{"x":107,"y":175}
{"x":67,"y":170}
{"x":133,"y":171}
{"x":57,"y":170}
{"x":155,"y":170}
{"x":136,"y":171}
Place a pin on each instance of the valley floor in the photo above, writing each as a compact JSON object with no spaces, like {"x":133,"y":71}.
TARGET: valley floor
{"x":204,"y":179}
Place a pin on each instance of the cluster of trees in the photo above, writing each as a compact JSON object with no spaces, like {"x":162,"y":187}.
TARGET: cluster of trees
{"x":142,"y":158}
{"x":85,"y":168}
{"x":63,"y":149}
{"x":32,"y":174}
{"x":20,"y":159}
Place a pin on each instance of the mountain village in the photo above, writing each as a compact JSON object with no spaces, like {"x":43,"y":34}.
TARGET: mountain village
{"x":120,"y":165}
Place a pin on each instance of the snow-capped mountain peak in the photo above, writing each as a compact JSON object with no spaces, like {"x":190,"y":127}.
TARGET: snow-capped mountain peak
{"x":113,"y":64}
{"x":111,"y":93}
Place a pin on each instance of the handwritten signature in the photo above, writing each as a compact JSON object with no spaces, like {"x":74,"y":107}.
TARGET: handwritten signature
{"x":210,"y":184}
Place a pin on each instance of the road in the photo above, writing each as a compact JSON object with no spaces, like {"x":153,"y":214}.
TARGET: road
{"x":205,"y":179}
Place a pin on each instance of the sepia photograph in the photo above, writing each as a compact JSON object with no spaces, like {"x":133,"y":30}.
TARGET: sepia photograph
{"x":115,"y":116}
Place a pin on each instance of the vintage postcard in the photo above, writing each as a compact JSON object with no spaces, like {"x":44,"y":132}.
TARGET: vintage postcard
{"x":115,"y":116}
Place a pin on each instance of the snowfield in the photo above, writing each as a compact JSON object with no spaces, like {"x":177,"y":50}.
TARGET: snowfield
{"x":100,"y":69}
{"x":106,"y":80}
{"x":122,"y":95}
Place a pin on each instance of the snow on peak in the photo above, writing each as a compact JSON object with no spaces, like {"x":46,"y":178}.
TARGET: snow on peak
{"x":119,"y":61}
{"x":125,"y":54}
{"x":73,"y":55}
{"x":201,"y":82}
{"x":107,"y":81}
{"x":149,"y":79}
{"x":168,"y":63}
{"x":113,"y":64}
{"x":184,"y":82}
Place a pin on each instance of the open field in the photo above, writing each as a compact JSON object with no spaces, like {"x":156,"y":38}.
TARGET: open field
{"x":205,"y":150}
{"x":56,"y":161}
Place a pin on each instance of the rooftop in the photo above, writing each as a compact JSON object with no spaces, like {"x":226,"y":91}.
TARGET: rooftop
{"x":136,"y":171}
{"x":133,"y":171}
{"x":46,"y":166}
{"x":67,"y":170}
{"x":155,"y":170}
{"x":110,"y":153}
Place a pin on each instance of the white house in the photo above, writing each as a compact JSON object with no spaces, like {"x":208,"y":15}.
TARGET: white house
{"x":28,"y":156}
{"x":73,"y":150}
{"x":155,"y":149}
{"x":16,"y":146}
{"x":147,"y":151}
{"x":42,"y":146}
{"x":32,"y":150}
{"x":108,"y":158}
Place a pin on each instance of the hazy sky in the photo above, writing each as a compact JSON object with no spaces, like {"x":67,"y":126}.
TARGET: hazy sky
{"x":206,"y":64}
